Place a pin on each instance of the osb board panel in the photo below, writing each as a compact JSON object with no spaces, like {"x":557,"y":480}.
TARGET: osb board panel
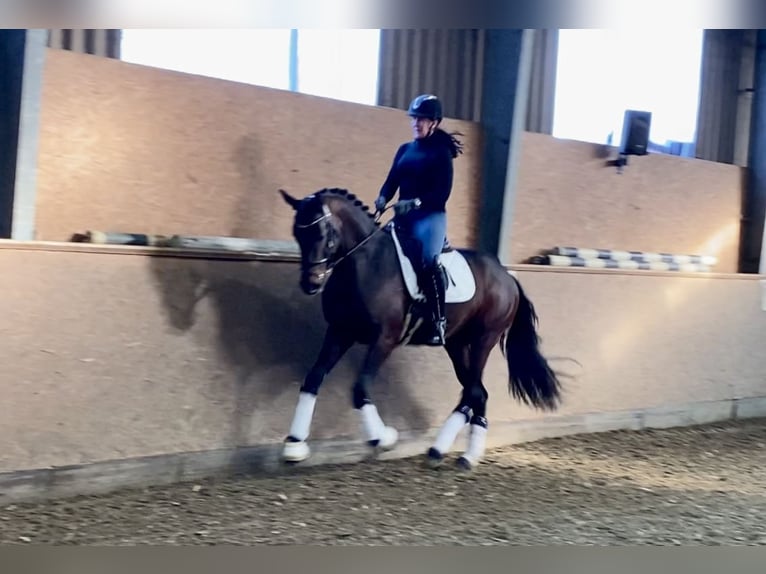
{"x":567,"y":197}
{"x":652,"y":340}
{"x":144,"y":150}
{"x":114,"y":356}
{"x":137,"y":149}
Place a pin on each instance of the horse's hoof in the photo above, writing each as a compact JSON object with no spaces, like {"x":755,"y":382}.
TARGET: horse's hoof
{"x":434,"y":457}
{"x":388,"y":439}
{"x":464,"y":464}
{"x":295,"y":451}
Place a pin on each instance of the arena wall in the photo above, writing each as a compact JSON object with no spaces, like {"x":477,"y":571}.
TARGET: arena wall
{"x":137,"y":149}
{"x":135,"y":365}
{"x":113,"y":356}
{"x":659,"y":203}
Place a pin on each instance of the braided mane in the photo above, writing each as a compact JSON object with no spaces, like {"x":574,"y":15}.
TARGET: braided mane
{"x":346,"y":194}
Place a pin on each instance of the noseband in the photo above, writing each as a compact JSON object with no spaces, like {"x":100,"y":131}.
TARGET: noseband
{"x":330,"y":245}
{"x":330,"y":233}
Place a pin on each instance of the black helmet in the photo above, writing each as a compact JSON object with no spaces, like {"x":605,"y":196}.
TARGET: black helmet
{"x":425,"y":106}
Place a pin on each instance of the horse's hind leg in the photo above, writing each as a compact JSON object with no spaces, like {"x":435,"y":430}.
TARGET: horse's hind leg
{"x":333,"y":348}
{"x":376,"y":432}
{"x":459,"y":353}
{"x":477,"y":395}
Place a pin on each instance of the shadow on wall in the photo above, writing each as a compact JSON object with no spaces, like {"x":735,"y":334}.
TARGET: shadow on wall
{"x":256,"y":329}
{"x":245,"y":159}
{"x":268,"y":332}
{"x":258,"y":189}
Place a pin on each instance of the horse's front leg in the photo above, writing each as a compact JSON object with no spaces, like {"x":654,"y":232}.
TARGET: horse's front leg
{"x":335,"y":345}
{"x":375,"y":431}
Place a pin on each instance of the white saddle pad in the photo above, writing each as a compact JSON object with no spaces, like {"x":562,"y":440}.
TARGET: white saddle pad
{"x":461,"y":284}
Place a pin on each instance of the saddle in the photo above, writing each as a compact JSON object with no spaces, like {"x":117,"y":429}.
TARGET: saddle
{"x":460,"y":282}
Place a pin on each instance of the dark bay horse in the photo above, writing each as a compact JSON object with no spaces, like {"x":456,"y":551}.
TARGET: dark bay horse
{"x":353,"y":262}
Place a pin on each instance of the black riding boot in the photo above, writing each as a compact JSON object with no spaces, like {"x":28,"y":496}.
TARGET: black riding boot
{"x":432,"y":284}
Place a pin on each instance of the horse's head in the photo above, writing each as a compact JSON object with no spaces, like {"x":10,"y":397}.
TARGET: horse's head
{"x":318,"y":238}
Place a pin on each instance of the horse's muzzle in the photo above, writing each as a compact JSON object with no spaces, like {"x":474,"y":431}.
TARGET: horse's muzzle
{"x":310,"y":288}
{"x":313,"y":283}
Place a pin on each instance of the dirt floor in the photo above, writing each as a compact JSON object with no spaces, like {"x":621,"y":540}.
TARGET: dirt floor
{"x":701,"y":485}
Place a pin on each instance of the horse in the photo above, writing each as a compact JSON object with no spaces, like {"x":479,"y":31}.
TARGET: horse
{"x":369,"y":297}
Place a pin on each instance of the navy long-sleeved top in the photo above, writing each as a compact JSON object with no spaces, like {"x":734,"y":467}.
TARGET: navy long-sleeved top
{"x":421,"y":168}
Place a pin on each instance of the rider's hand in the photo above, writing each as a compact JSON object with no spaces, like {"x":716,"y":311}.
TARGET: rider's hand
{"x":407,"y":205}
{"x":380,"y":203}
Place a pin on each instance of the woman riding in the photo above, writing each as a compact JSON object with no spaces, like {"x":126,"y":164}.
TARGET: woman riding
{"x":422,"y":172}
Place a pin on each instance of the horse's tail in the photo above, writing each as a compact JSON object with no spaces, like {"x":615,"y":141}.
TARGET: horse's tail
{"x":532,"y":381}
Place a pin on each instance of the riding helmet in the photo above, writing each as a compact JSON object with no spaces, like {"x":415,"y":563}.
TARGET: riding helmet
{"x":425,"y":106}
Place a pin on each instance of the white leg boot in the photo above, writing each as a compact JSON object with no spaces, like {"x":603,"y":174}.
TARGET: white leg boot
{"x":377,"y":433}
{"x":457,"y":420}
{"x":476,"y":444}
{"x":295,"y":448}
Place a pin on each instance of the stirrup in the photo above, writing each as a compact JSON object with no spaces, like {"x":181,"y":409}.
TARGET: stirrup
{"x":438,"y":330}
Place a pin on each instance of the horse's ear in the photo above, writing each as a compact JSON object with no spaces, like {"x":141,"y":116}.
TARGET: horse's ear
{"x":289,"y":199}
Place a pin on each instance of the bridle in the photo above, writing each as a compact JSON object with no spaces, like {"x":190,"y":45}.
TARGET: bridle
{"x":330,"y":246}
{"x":330,"y":243}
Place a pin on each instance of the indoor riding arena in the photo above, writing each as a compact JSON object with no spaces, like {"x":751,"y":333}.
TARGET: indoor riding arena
{"x":155,"y":335}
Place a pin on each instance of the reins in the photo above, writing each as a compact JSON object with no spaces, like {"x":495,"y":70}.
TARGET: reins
{"x":326,"y":214}
{"x":365,"y":240}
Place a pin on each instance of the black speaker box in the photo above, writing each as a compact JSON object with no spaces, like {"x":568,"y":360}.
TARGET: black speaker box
{"x":635,"y":132}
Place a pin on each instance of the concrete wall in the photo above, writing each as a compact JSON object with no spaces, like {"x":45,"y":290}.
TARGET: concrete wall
{"x":112,"y":356}
{"x":137,"y":149}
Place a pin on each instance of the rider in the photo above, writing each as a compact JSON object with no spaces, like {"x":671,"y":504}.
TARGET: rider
{"x":422,"y":170}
